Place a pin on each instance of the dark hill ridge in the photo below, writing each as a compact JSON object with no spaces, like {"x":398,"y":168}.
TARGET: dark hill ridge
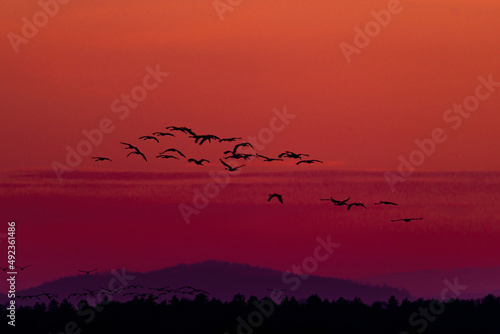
{"x":221,"y":279}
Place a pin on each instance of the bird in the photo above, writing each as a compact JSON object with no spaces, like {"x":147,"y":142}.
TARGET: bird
{"x":100,"y":159}
{"x":87,"y":271}
{"x":290,"y":154}
{"x":200,"y":139}
{"x":276,"y":290}
{"x":49,"y":295}
{"x":385,"y":202}
{"x":181,"y":129}
{"x":138,"y":153}
{"x":164,"y":156}
{"x":22,"y":268}
{"x":198,"y":162}
{"x":161,"y":134}
{"x":130,"y":146}
{"x":229,"y":167}
{"x":229,"y":139}
{"x":278,"y":196}
{"x":335,"y":202}
{"x":355,"y":204}
{"x":267,"y":159}
{"x":308,"y":162}
{"x":238,"y":156}
{"x":245,"y":144}
{"x":4,"y":269}
{"x":406,"y":219}
{"x":173,"y":150}
{"x":149,"y":137}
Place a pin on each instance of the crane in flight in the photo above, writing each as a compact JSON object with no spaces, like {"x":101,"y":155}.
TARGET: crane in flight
{"x":100,"y":159}
{"x":87,"y":271}
{"x":229,"y":167}
{"x":278,"y":196}
{"x":406,"y":219}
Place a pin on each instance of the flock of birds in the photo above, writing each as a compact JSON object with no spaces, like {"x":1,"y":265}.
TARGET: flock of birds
{"x":236,"y":153}
{"x":158,"y":292}
{"x":279,"y":197}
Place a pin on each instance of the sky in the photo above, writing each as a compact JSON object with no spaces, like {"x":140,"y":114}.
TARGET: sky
{"x":233,"y":74}
{"x":227,"y":76}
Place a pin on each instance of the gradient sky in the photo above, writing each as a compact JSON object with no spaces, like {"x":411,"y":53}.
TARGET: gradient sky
{"x":227,"y":76}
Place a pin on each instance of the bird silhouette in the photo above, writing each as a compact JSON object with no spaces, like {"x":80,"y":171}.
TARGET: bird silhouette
{"x":162,"y":134}
{"x":138,"y":153}
{"x":149,"y":137}
{"x":267,"y":159}
{"x":100,"y":159}
{"x":406,"y":219}
{"x":173,"y":150}
{"x":339,"y":203}
{"x":129,"y":146}
{"x":355,"y":204}
{"x":290,"y":154}
{"x":22,"y":268}
{"x":277,"y":290}
{"x":4,"y":269}
{"x":308,"y":162}
{"x":182,"y":129}
{"x":278,"y":196}
{"x":87,"y":271}
{"x":239,"y":156}
{"x":200,"y":139}
{"x":229,"y":167}
{"x":245,"y":144}
{"x":229,"y":139}
{"x":198,"y":162}
{"x":164,"y":156}
{"x":385,"y":203}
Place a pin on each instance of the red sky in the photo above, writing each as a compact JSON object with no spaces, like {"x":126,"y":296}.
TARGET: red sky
{"x":227,"y":76}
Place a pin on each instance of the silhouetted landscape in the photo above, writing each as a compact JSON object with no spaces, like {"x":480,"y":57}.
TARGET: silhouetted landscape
{"x":251,"y":315}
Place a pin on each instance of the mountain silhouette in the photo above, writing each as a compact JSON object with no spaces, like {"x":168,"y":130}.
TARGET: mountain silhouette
{"x":221,"y":280}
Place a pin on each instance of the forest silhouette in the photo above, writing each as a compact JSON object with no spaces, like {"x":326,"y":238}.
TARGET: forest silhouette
{"x":241,"y":315}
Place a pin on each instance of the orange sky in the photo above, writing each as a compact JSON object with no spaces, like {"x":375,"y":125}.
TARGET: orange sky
{"x":227,"y":76}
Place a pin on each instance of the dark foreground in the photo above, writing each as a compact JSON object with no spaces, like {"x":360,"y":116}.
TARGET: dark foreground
{"x":202,"y":315}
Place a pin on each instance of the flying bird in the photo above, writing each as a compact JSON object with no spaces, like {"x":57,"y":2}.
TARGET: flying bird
{"x":355,"y":204}
{"x":229,"y":167}
{"x":203,"y":138}
{"x":182,"y":129}
{"x":406,"y":219}
{"x":308,"y":162}
{"x":385,"y":202}
{"x":267,"y":159}
{"x":290,"y":154}
{"x":335,"y":202}
{"x":129,"y":146}
{"x":245,"y":144}
{"x":100,"y":159}
{"x":173,"y":150}
{"x":278,"y":196}
{"x":229,"y":139}
{"x":138,"y":153}
{"x":4,"y":269}
{"x":198,"y":162}
{"x":161,"y":134}
{"x":149,"y":137}
{"x":22,"y":268}
{"x":87,"y":271}
{"x":164,"y":156}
